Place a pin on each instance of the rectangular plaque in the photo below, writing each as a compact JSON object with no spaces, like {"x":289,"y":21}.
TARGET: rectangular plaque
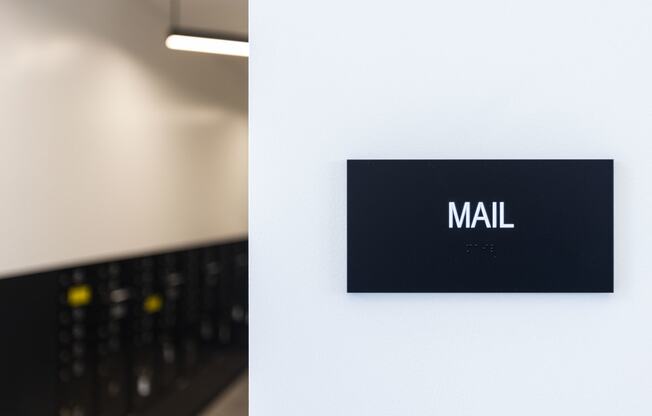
{"x":480,"y":225}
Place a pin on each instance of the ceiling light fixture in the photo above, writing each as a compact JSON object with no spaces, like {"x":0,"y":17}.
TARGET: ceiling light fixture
{"x":207,"y":43}
{"x":201,"y":41}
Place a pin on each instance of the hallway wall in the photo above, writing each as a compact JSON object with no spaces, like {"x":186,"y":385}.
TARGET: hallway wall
{"x":111,"y":144}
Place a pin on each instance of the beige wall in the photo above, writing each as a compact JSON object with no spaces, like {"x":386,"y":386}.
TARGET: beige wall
{"x":111,"y":144}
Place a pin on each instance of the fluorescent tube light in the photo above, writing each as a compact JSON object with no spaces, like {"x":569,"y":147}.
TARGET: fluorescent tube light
{"x":207,"y":44}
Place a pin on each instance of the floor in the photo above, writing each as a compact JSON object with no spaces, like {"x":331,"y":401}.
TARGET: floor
{"x":233,"y":402}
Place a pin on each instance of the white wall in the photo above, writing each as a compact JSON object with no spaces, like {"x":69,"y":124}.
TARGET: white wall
{"x":332,"y":80}
{"x":110,"y":144}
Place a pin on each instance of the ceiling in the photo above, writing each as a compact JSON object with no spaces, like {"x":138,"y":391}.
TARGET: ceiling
{"x":212,"y":15}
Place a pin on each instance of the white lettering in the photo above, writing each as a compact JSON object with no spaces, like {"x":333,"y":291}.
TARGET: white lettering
{"x":480,"y":214}
{"x":502,"y":217}
{"x":453,"y":216}
{"x":463,"y":219}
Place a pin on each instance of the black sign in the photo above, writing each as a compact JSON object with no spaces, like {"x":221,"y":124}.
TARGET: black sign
{"x":480,"y":225}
